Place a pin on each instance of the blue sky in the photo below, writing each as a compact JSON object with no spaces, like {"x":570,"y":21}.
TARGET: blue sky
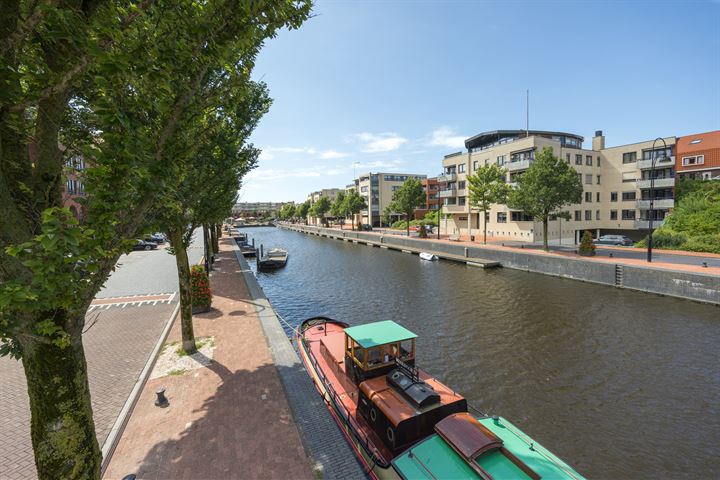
{"x":395,"y":85}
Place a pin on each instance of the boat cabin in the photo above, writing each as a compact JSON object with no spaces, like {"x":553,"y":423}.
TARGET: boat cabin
{"x":400,"y":403}
{"x":371,"y":349}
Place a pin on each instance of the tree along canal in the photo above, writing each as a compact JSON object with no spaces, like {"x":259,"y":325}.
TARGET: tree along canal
{"x":619,"y":384}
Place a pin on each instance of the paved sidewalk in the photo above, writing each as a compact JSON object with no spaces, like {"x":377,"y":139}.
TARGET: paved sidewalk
{"x":228,"y":420}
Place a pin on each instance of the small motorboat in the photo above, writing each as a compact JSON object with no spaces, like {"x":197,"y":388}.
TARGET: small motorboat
{"x":428,"y":256}
{"x":248,"y":250}
{"x":402,"y":422}
{"x":273,"y":259}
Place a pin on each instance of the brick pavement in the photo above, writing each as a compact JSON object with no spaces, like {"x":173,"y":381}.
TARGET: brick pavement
{"x":229,"y":420}
{"x":117,"y":346}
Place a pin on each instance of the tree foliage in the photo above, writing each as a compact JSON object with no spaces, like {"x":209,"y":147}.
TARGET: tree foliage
{"x":355,"y":203}
{"x":487,"y":187}
{"x":320,"y":208}
{"x":122,"y":84}
{"x":407,"y":198}
{"x":547,"y":185}
{"x":303,"y":210}
{"x":339,"y":206}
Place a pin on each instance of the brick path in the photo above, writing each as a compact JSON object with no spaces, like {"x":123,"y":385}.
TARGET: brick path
{"x":229,"y":420}
{"x":117,"y":346}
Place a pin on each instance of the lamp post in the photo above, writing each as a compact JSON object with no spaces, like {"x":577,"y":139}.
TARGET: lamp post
{"x":651,"y":210}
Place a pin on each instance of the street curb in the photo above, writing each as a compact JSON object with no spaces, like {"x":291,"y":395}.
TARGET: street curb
{"x":118,"y":427}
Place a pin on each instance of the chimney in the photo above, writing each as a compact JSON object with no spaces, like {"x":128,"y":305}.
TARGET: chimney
{"x":598,"y":141}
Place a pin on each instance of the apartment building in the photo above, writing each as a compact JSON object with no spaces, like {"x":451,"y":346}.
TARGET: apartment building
{"x":616,"y":185}
{"x":377,"y":190}
{"x":431,"y":187}
{"x":257,"y":208}
{"x":698,"y":156}
{"x":330,"y":193}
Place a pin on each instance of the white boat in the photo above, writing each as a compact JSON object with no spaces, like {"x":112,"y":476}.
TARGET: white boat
{"x":428,"y":256}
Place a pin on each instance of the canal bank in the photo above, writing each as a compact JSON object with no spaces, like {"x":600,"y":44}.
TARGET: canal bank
{"x":696,"y":286}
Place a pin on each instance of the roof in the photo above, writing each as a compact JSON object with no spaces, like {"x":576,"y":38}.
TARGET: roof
{"x":435,"y":458}
{"x":487,"y":137}
{"x":707,"y":141}
{"x":379,"y":333}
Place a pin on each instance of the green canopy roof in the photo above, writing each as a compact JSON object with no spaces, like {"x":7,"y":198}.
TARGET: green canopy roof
{"x":379,"y":333}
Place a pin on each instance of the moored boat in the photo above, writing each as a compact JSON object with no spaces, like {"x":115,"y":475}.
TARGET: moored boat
{"x":404,"y":423}
{"x":274,"y":258}
{"x":427,"y":256}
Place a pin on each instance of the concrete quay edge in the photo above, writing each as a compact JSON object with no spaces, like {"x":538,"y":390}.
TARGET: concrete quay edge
{"x":694,"y":286}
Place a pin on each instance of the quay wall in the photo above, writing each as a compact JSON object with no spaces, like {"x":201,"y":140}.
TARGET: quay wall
{"x":689,"y":285}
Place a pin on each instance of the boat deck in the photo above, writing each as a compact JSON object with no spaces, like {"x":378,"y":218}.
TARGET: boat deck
{"x":327,"y":344}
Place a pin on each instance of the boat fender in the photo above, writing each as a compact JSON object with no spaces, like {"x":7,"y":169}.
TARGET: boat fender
{"x":391,"y":435}
{"x":373,"y":414}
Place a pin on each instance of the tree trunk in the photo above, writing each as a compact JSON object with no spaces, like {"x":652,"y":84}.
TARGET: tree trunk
{"x":353,"y":222}
{"x":61,"y":426}
{"x":407,"y":219}
{"x":545,"y":230}
{"x":484,"y":227}
{"x":183,"y":268}
{"x":214,"y":234}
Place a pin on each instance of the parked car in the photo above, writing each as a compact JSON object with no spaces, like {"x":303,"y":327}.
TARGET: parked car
{"x":617,"y":240}
{"x":144,"y":245}
{"x":157,"y":237}
{"x":366,"y":227}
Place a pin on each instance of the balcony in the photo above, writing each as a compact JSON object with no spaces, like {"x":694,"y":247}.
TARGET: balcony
{"x":645,"y":224}
{"x":447,"y":177}
{"x":659,"y":183}
{"x":515,"y":166}
{"x":659,"y":203}
{"x":667,"y":162}
{"x":450,"y":192}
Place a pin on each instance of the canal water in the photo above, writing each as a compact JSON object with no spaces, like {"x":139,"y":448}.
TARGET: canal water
{"x":620,"y":384}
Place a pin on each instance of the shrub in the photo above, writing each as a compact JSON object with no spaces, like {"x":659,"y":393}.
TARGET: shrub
{"x":663,"y":238}
{"x":200,"y":285}
{"x":703,"y":243}
{"x":586,"y":245}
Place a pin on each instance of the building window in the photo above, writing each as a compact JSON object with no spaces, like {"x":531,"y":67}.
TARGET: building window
{"x":395,"y":187}
{"x":597,"y":197}
{"x":578,"y":159}
{"x":567,"y":157}
{"x":588,"y":197}
{"x":588,"y":160}
{"x":461,"y":168}
{"x":613,"y":214}
{"x":588,"y":214}
{"x":598,"y":161}
{"x":363,"y":189}
{"x":475,"y":165}
{"x":580,"y":177}
{"x":613,"y":196}
{"x":522,"y":156}
{"x":588,"y":179}
{"x":461,"y":201}
{"x":598,"y":179}
{"x":657,"y":153}
{"x":501,"y":159}
{"x":501,"y":217}
{"x":395,"y":178}
{"x":520,"y":217}
{"x":628,"y":214}
{"x":696,"y":160}
{"x":630,"y":157}
{"x":578,"y":215}
{"x":597,"y":214}
{"x":461,"y":185}
{"x":628,"y":196}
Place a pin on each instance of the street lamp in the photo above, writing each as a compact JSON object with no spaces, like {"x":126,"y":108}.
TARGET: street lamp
{"x":651,"y":210}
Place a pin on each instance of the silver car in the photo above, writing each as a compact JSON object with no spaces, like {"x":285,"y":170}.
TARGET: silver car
{"x":617,"y":240}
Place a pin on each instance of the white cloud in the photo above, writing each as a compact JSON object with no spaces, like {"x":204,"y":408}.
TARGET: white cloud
{"x":446,"y":137}
{"x":265,"y":156}
{"x":333,"y":154}
{"x":380,"y":142}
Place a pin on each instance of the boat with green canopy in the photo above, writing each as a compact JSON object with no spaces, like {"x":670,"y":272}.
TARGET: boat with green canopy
{"x":404,"y":423}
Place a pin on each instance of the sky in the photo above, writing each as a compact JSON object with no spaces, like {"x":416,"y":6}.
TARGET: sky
{"x":393,"y":86}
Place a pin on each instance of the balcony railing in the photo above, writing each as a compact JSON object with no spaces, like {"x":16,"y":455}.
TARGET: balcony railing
{"x":658,"y":203}
{"x":450,"y":192}
{"x":659,"y":183}
{"x":665,"y":162}
{"x":645,"y":224}
{"x":447,"y":177}
{"x":515,"y":166}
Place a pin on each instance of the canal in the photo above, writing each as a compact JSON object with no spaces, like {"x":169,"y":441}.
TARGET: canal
{"x":620,"y":384}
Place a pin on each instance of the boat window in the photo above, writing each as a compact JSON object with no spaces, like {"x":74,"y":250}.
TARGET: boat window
{"x":359,"y":354}
{"x":407,"y":349}
{"x":374,"y":356}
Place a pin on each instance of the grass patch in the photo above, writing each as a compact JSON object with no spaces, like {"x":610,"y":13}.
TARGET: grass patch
{"x":177,"y":371}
